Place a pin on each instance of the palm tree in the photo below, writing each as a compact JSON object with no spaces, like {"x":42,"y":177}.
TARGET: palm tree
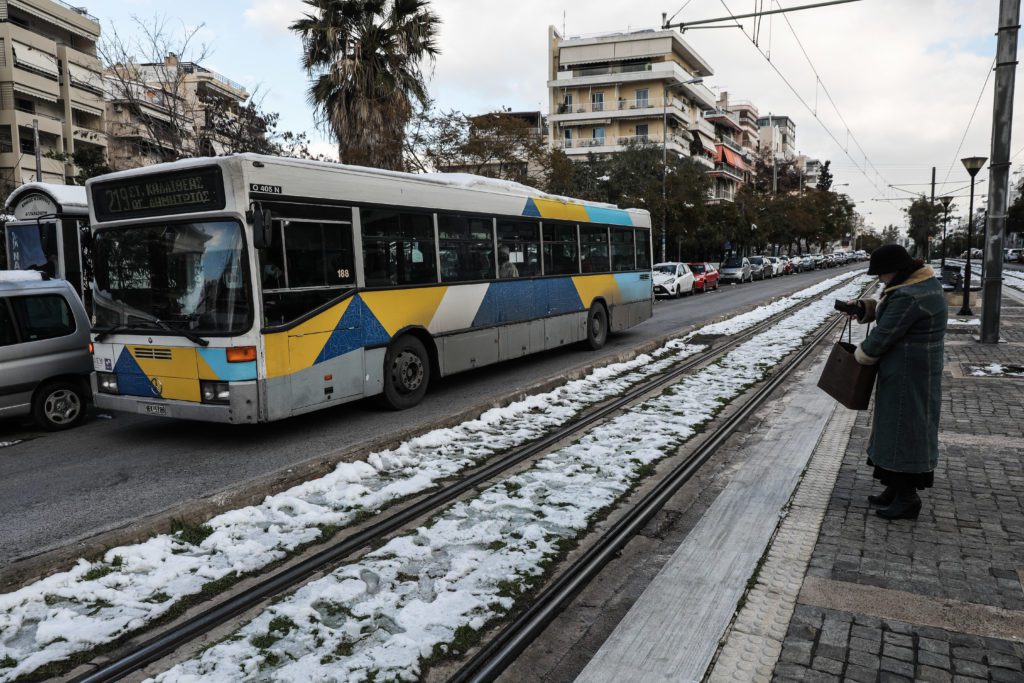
{"x":365,"y":61}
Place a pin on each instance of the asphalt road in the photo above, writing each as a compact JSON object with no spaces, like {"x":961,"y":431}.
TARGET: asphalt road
{"x":56,"y":489}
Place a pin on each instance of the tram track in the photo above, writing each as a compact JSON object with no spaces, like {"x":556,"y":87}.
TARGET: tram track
{"x":502,"y":649}
{"x":402,"y":515}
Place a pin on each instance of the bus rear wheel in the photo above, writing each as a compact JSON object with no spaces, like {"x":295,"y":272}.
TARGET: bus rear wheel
{"x":597,"y":326}
{"x":406,"y":373}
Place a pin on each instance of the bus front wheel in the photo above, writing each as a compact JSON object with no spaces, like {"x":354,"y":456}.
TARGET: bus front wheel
{"x":406,"y":373}
{"x":597,"y":326}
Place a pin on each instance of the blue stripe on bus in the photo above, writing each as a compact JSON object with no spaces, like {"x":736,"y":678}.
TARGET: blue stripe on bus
{"x":357,"y":328}
{"x":225,"y":371}
{"x":531,"y":209}
{"x":561,"y":296}
{"x":632,"y":287}
{"x":614,"y":216}
{"x":131,"y":380}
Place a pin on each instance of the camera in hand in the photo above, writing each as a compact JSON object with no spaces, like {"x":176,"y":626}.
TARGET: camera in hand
{"x":856,"y":308}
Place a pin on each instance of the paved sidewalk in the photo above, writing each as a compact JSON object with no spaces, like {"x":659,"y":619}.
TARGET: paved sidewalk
{"x":936,"y":599}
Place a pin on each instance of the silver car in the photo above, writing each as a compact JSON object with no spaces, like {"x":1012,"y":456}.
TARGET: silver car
{"x":44,"y":350}
{"x":735,"y":269}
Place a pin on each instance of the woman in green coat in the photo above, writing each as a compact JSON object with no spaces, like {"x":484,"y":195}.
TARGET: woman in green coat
{"x":907,"y":344}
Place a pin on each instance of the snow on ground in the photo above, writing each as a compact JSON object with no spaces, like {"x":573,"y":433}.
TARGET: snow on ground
{"x":424,"y":593}
{"x":996,"y":370}
{"x":963,"y":322}
{"x":97,"y":602}
{"x":1014,"y":278}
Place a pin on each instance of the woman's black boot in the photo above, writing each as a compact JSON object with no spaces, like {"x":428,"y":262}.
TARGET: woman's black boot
{"x":906,"y":505}
{"x":885,"y":498}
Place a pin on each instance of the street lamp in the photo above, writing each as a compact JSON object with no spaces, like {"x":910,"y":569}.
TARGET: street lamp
{"x":664,"y":164}
{"x":946,"y":201}
{"x":973,"y":165}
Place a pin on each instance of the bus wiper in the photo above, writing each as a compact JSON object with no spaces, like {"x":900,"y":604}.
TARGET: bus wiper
{"x":114,"y":329}
{"x":191,"y":336}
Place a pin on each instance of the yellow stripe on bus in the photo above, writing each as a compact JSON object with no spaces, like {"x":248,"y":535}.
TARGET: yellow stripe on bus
{"x":397,"y":309}
{"x":590,"y":287}
{"x":297,"y":348}
{"x":564,"y":211}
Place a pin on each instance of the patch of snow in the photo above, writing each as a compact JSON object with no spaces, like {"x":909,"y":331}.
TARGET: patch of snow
{"x":97,"y":602}
{"x":422,"y":591}
{"x":20,"y":276}
{"x":963,"y":322}
{"x":996,"y":370}
{"x":5,"y":444}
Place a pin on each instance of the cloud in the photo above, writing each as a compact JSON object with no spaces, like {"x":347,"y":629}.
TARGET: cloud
{"x":273,"y":16}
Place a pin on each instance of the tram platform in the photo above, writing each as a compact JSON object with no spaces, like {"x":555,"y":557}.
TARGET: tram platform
{"x":790,"y":576}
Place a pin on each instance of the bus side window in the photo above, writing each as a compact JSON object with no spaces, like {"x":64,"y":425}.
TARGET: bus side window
{"x":518,"y":249}
{"x":623,"y":252}
{"x":643,"y":252}
{"x":398,"y":248}
{"x":594,"y":248}
{"x":467,"y":248}
{"x":308,"y":264}
{"x":560,"y":249}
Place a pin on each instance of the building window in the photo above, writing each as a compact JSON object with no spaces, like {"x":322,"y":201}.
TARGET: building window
{"x":561,"y":250}
{"x":568,"y":137}
{"x":566,"y":104}
{"x":597,"y":101}
{"x":518,"y":249}
{"x":642,"y":98}
{"x":599,"y":136}
{"x":467,"y":248}
{"x":642,"y":132}
{"x":6,"y":142}
{"x":398,"y":248}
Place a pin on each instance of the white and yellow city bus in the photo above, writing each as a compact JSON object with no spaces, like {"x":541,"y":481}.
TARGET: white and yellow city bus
{"x":249,"y":288}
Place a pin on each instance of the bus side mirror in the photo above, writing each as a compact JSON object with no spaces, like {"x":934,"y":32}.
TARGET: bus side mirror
{"x":262,"y":222}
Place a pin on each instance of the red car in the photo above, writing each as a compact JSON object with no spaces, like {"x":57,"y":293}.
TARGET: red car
{"x":705,"y":276}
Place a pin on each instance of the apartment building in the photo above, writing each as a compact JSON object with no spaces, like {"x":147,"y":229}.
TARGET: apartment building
{"x":162,"y":111}
{"x":49,"y":74}
{"x":500,"y":146}
{"x":809,"y":170}
{"x":612,"y":90}
{"x":778,"y":135}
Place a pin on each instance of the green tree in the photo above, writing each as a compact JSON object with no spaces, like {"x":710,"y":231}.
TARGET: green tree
{"x":923,"y":218}
{"x":890,"y":234}
{"x":825,"y":177}
{"x":365,"y":60}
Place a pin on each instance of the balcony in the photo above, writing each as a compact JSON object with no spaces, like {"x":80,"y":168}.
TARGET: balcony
{"x":731,"y":143}
{"x":652,"y":107}
{"x":89,"y":136}
{"x":703,"y":126}
{"x":728,"y":171}
{"x":629,"y":73}
{"x":609,"y":144}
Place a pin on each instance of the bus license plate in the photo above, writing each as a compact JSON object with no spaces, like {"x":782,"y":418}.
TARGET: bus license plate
{"x":155,"y":409}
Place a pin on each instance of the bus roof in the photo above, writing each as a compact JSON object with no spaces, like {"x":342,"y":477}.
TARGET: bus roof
{"x":456,"y":180}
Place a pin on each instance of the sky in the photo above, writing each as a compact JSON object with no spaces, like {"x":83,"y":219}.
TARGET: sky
{"x":884,"y":89}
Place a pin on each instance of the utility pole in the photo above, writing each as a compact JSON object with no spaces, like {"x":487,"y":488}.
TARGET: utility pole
{"x":664,"y":171}
{"x":39,"y":158}
{"x":999,"y":169}
{"x":928,"y":236}
{"x":775,"y":170}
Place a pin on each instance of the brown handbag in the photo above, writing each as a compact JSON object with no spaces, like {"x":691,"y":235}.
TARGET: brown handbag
{"x":843,"y":378}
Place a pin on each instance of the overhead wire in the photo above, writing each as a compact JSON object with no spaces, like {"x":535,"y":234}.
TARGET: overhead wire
{"x":970,"y":121}
{"x":678,"y":11}
{"x":828,"y":95}
{"x":862,"y":170}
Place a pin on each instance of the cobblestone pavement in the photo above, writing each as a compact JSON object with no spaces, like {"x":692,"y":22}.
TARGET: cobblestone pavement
{"x":966,"y":549}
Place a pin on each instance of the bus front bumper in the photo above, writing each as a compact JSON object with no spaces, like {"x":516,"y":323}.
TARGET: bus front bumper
{"x":241,"y":410}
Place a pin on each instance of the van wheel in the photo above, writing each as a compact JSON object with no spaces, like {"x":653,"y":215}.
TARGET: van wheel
{"x":59,"y":405}
{"x":597,"y":326}
{"x":406,"y":373}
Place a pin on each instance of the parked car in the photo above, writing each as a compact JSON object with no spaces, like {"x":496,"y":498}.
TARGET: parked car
{"x":45,"y":360}
{"x":705,"y":276}
{"x":778,"y":265}
{"x":797,"y":263}
{"x":810,"y":262}
{"x":735,"y":269}
{"x":840,"y":257}
{"x":820,"y":261}
{"x":1013,"y":255}
{"x":975,"y":253}
{"x":672,"y":279}
{"x":760,"y":268}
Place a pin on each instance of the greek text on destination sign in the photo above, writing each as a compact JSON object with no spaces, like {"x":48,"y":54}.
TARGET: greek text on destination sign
{"x":182,"y":192}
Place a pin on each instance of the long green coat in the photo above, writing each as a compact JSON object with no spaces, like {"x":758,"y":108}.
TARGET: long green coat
{"x":907,"y":344}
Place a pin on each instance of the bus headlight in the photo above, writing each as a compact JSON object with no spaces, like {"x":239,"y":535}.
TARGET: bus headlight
{"x":215,"y":392}
{"x":106,"y":382}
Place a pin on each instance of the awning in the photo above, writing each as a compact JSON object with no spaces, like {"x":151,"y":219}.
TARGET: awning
{"x":92,"y":111}
{"x":32,"y":92}
{"x":731,"y":157}
{"x":705,"y":140}
{"x":34,"y":58}
{"x":54,"y":19}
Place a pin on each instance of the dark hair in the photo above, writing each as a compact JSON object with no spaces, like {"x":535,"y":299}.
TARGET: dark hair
{"x":903,"y":275}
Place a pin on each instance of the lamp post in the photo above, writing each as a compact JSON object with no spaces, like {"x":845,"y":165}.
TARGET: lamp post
{"x":946,"y":201}
{"x":973,"y":165}
{"x":664,"y":164}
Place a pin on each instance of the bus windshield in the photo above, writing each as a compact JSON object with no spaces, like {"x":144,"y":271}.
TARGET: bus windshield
{"x":187,"y":276}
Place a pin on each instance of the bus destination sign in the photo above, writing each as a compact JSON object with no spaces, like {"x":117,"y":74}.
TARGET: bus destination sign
{"x":201,"y":189}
